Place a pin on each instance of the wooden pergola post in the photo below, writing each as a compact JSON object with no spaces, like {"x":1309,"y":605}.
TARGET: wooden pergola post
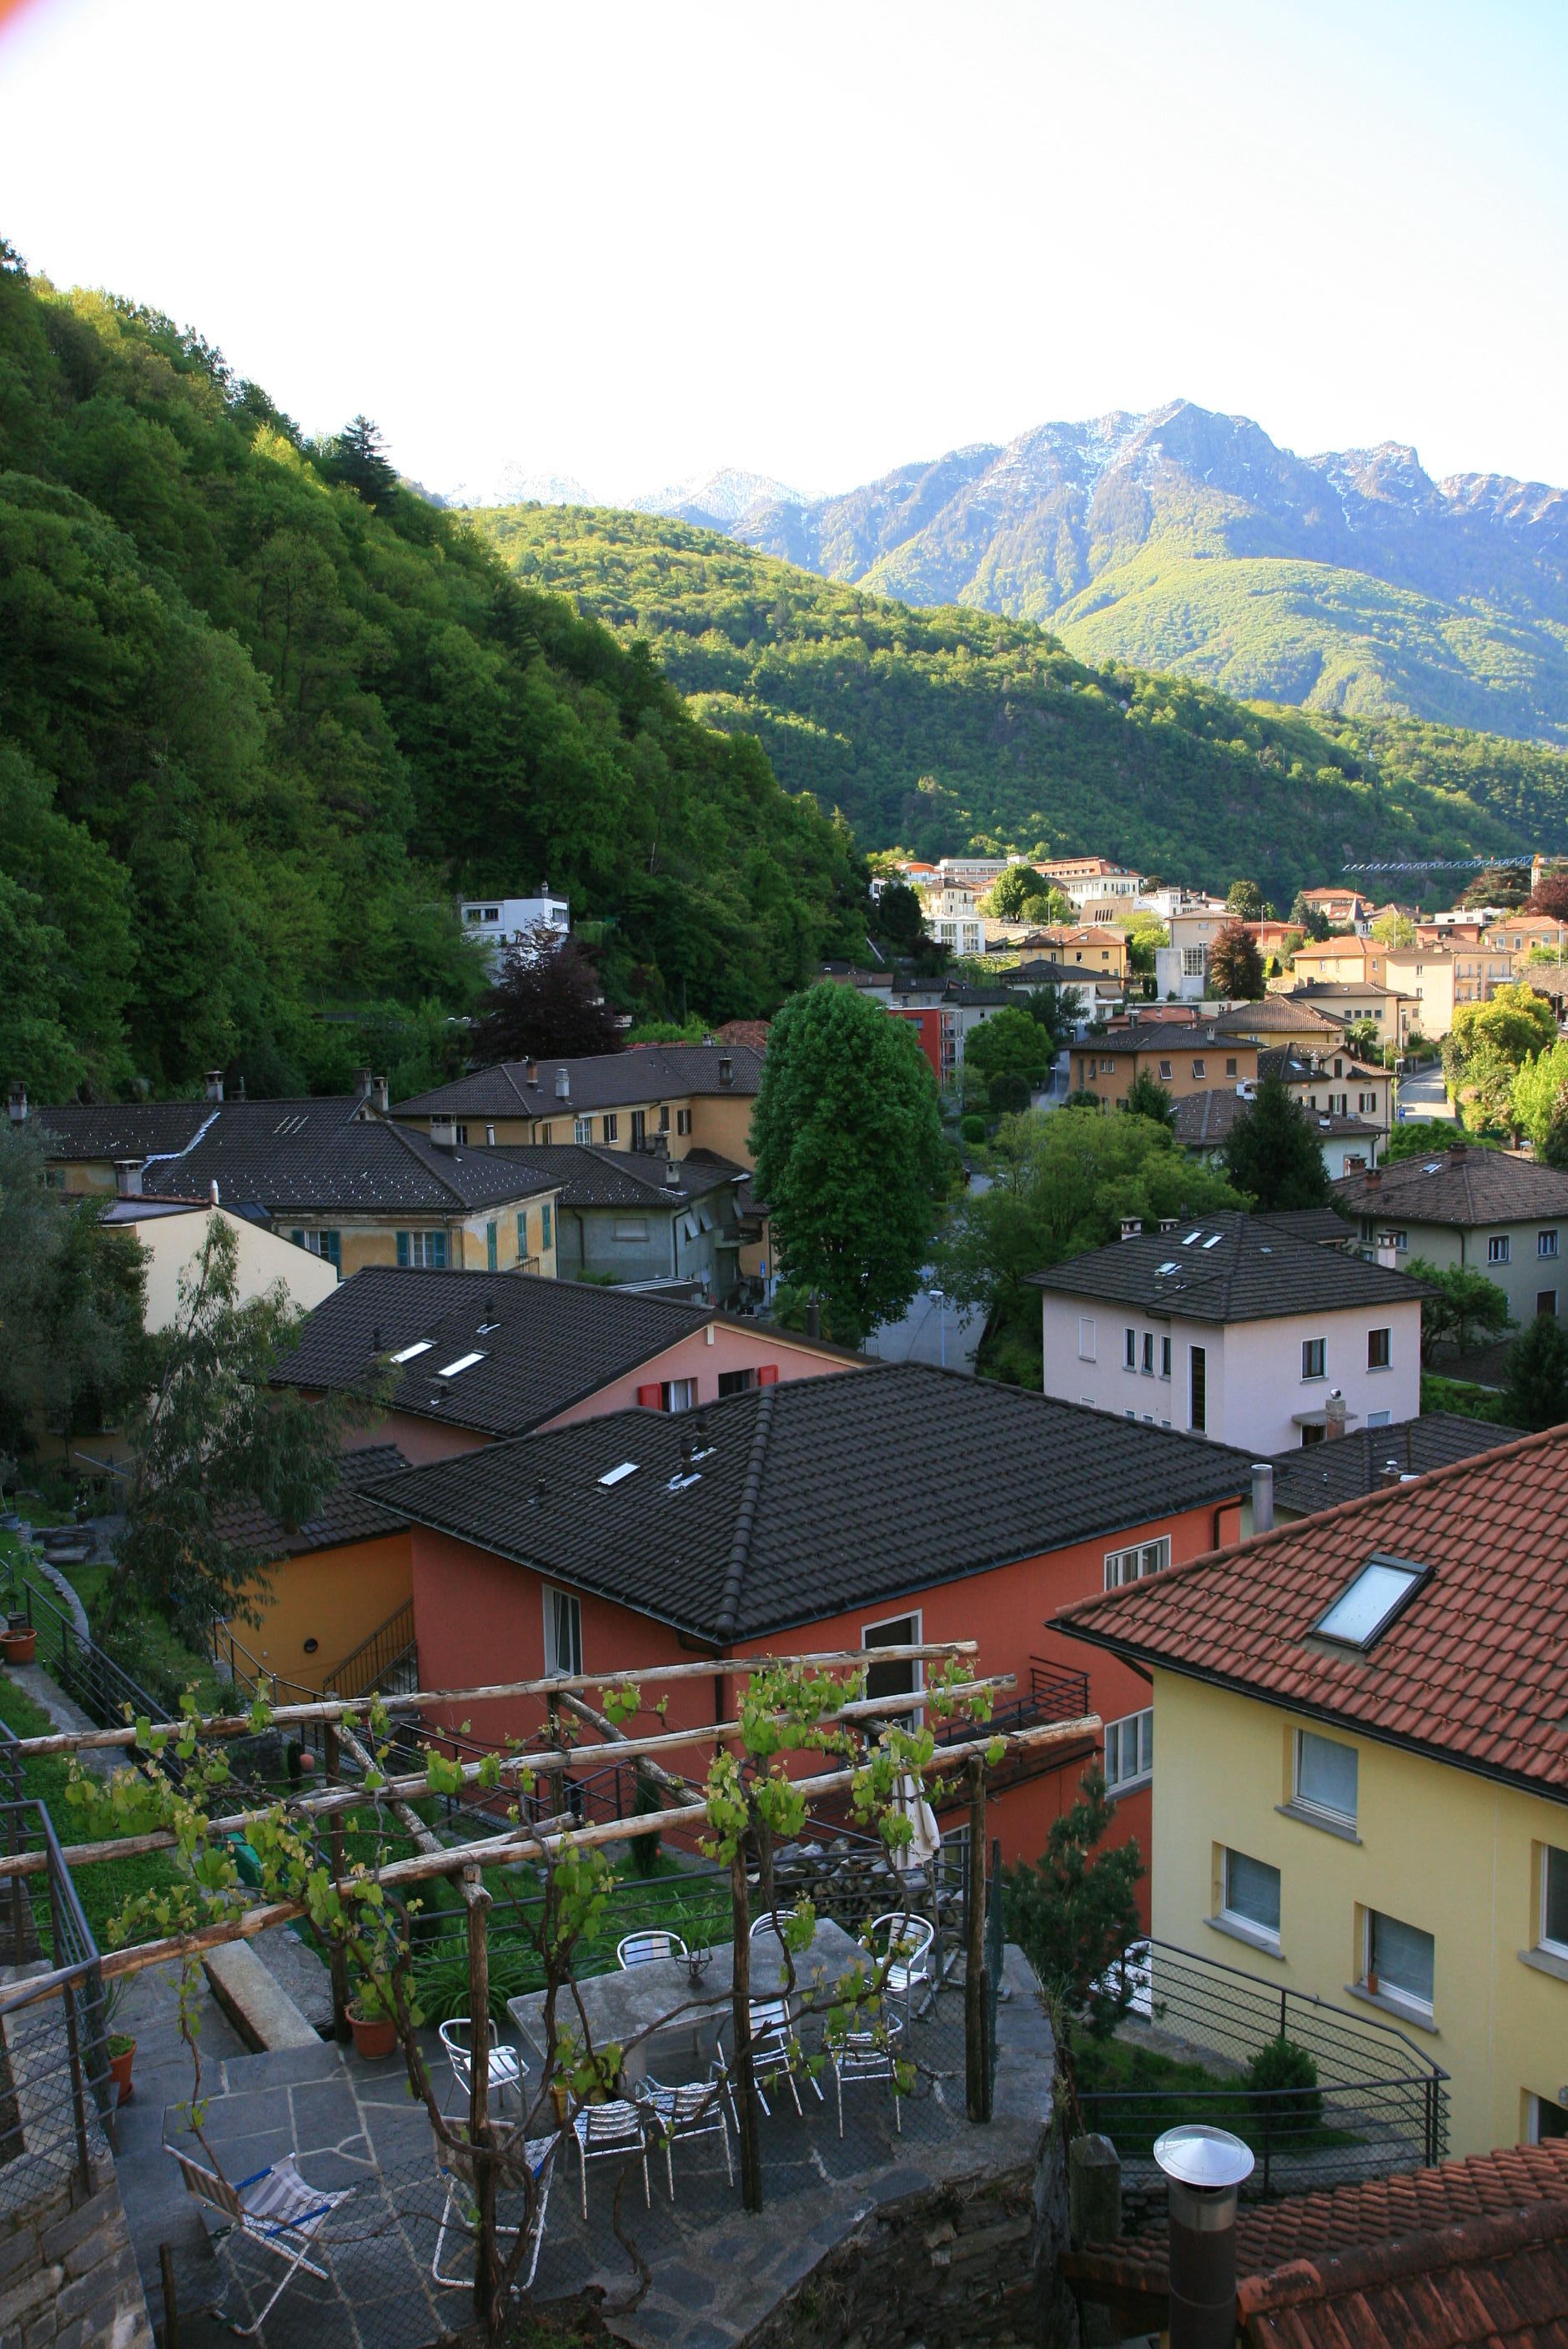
{"x":337,"y":1956}
{"x":740,"y":2014}
{"x":977,"y":1983}
{"x":487,"y":2279}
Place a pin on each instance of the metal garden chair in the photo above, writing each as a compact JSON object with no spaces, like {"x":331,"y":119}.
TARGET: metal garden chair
{"x":274,"y":2208}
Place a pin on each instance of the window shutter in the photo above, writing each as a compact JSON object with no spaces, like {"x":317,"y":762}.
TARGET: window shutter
{"x":651,"y":1397}
{"x":298,"y":1238}
{"x":767,"y":1376}
{"x":403,"y":1249}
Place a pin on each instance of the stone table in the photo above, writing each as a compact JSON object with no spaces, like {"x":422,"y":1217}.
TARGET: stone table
{"x":637,"y":1999}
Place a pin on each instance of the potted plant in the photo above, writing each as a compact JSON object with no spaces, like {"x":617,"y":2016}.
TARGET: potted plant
{"x":372,"y":2018}
{"x":19,"y":1641}
{"x":121,"y":2047}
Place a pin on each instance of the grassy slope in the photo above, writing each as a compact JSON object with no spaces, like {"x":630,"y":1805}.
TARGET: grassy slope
{"x":933,"y":727}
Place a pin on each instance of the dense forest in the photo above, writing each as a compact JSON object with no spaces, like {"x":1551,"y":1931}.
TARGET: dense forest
{"x":264,"y":712}
{"x":933,"y":729}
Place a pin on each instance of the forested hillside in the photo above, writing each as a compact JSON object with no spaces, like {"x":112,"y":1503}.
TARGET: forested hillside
{"x":264,"y":712}
{"x":934,"y":729}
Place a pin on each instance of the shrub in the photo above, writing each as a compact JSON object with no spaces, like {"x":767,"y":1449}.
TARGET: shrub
{"x":972,"y":1130}
{"x":1284,"y":2094}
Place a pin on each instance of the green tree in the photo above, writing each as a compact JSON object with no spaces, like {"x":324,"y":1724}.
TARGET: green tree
{"x":213,"y":1445}
{"x":847,"y":1139}
{"x":1517,"y":1023}
{"x":1428,"y":1137}
{"x":1463,"y":1305}
{"x":1059,"y":1011}
{"x":1273,"y":1151}
{"x":1074,"y":1913}
{"x":72,"y":1298}
{"x":1147,"y":1097}
{"x":901,"y":918}
{"x":1144,"y":937}
{"x":1311,"y":920}
{"x":1538,"y":1097}
{"x":1537,"y":1392}
{"x":359,"y":461}
{"x":1009,"y":1042}
{"x":1394,"y":929}
{"x":1235,"y":966}
{"x":1245,"y":899}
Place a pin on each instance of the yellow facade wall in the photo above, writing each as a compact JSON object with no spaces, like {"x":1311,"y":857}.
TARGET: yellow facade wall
{"x":468,"y":1247}
{"x":1442,"y":1848}
{"x":336,"y":1597}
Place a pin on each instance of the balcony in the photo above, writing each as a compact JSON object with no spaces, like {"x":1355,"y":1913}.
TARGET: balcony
{"x":1056,"y":1692}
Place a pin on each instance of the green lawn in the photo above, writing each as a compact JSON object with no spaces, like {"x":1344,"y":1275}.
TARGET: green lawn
{"x":103,"y":1884}
{"x":1154,"y":2086}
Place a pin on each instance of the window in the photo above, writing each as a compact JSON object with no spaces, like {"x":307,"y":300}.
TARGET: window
{"x":664,"y":1121}
{"x":1369,"y":1604}
{"x":1198,"y":1067}
{"x":899,"y":1679}
{"x":1149,"y":1353}
{"x":521,"y":1234}
{"x":639,"y":1128}
{"x":736,"y":1382}
{"x":1165,"y":1069}
{"x":678,"y":1394}
{"x":1197,"y":1388}
{"x":1545,"y":1243}
{"x":1312,"y":1353}
{"x":1130,"y":1349}
{"x":1230,"y":1068}
{"x":1547,"y":2119}
{"x":612,"y":1126}
{"x":1399,"y":1961}
{"x":562,"y":1633}
{"x":461,"y":1136}
{"x":1085,"y":1340}
{"x":492,"y":1248}
{"x":1366,"y":1101}
{"x":1546,"y":1304}
{"x":407,"y":1353}
{"x":1497,"y":1248}
{"x":630,"y":1228}
{"x":462,"y":1362}
{"x":1379,"y":1418}
{"x":1249,"y":1895}
{"x":1132,"y":1565}
{"x":1108,"y":1068}
{"x":325,"y":1244}
{"x":1128,"y":1749}
{"x":582,"y":1128}
{"x":683,"y":1121}
{"x":1379,"y":1349}
{"x":544,"y":1225}
{"x":1164,"y":1358}
{"x":1326,"y":1776}
{"x":1194,"y":961}
{"x":425,"y":1251}
{"x":1553,"y":1933}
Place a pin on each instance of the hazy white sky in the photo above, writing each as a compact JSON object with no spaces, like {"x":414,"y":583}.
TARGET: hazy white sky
{"x":629,"y":239}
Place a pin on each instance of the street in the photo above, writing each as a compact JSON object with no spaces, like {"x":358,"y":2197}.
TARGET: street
{"x":1421,"y":1092}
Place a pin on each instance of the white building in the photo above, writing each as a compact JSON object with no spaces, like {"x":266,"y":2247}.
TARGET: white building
{"x":1237,"y":1328}
{"x":499,"y":923}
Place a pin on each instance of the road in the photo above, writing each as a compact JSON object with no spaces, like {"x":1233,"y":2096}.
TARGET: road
{"x":1421,"y":1092}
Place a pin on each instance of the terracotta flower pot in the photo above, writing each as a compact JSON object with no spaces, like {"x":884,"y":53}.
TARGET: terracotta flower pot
{"x":375,"y":2035}
{"x":19,"y":1647}
{"x":120,"y":2068}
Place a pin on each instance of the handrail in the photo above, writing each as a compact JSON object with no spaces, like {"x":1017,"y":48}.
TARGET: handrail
{"x":386,"y":1647}
{"x":86,"y":1672}
{"x":1298,"y":1997}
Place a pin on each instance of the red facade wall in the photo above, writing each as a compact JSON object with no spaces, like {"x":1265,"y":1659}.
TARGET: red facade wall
{"x":928,"y":1028}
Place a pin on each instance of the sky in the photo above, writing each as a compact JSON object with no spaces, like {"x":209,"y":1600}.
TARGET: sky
{"x":630,"y":240}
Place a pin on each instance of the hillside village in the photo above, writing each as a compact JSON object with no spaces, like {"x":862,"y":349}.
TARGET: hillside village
{"x":1117,"y":1330}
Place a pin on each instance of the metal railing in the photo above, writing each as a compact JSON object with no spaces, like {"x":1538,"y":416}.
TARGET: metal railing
{"x":55,"y":2095}
{"x":1056,"y":1692}
{"x":1374,"y":2105}
{"x":106,"y":1692}
{"x":387,"y":1660}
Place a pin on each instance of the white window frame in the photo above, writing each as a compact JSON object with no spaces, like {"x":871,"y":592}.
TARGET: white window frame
{"x":1387,"y":1334}
{"x":1405,"y":2000}
{"x":1313,"y":1349}
{"x":1137,"y":1563}
{"x":1267,"y":1936}
{"x":1129,"y":1349}
{"x":1500,"y":1249}
{"x":678,"y":1394}
{"x":1129,"y":1752}
{"x":562,"y":1612}
{"x":1086,"y":1338}
{"x":1546,"y":1244}
{"x":1305,"y":1802}
{"x":1542,"y":1939}
{"x":582,"y":1131}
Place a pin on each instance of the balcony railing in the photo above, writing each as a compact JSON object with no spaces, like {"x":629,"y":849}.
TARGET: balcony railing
{"x":387,"y":1660}
{"x":1056,"y":1692}
{"x":105,"y":1693}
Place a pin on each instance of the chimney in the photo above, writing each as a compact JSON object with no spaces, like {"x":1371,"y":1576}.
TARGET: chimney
{"x":18,"y":1104}
{"x":813,"y":1320}
{"x":362,"y":1083}
{"x":380,"y":1096}
{"x":127,"y":1177}
{"x":1263,"y":1496}
{"x":239,"y":1088}
{"x":530,"y":1072}
{"x":1132,"y":1227}
{"x":562,"y":1084}
{"x":213,"y":1190}
{"x":1455,"y":1150}
{"x":673,"y":1176}
{"x":726,"y":1070}
{"x":1387,"y":1252}
{"x":215,"y":1084}
{"x":1374,"y":1177}
{"x":1166,"y":1223}
{"x":1333,"y":1416}
{"x":1204,"y":2166}
{"x":443,"y":1132}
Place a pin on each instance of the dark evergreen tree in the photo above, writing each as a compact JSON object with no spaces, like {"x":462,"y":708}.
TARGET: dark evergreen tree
{"x":900,"y":918}
{"x":360,"y":462}
{"x":1272,"y":1151}
{"x":1074,"y":1914}
{"x":1245,"y":900}
{"x":1537,"y":1390}
{"x":548,"y":1003}
{"x":1147,"y":1097}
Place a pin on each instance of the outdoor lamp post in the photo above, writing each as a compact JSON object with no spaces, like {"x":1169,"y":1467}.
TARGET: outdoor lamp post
{"x":939,"y":1299}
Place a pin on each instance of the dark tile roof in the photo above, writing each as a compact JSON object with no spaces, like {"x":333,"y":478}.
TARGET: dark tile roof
{"x":349,"y":1513}
{"x":1228,"y":1268}
{"x":557,"y":1341}
{"x":815,"y":1495}
{"x":1323,"y":1225}
{"x":1278,"y":1015}
{"x":1156,"y":1036}
{"x":1404,"y":2262}
{"x":122,"y":1129}
{"x":1203,"y":1120}
{"x":1293,"y":1064}
{"x":595,"y":1176}
{"x":1315,"y":990}
{"x":1050,"y":973}
{"x":1462,"y":1186}
{"x":1321,"y":1476}
{"x":317,"y":1156}
{"x":653,"y":1073}
{"x":1473,"y":1669}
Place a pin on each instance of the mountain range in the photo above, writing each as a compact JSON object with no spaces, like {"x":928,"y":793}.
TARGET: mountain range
{"x":1187,"y":541}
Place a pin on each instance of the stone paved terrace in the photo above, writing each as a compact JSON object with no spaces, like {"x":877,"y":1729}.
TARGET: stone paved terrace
{"x":716,"y":2273}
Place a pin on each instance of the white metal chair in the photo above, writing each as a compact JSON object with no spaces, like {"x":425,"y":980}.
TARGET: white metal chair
{"x":773,"y":2052}
{"x":645,"y":1948}
{"x":504,"y":2069}
{"x":606,"y":2131}
{"x":696,"y":2110}
{"x":455,"y":2170}
{"x":867,"y":2055}
{"x":274,"y":2208}
{"x":911,"y":1942}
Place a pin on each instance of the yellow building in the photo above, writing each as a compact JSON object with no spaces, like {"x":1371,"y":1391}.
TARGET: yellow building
{"x":333,"y":1599}
{"x":1361,"y":1790}
{"x":688,"y":1096}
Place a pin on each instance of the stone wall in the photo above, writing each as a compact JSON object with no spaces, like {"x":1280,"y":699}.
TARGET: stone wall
{"x":67,"y":2274}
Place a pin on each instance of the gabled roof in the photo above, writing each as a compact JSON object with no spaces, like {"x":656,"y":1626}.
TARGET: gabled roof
{"x":1279,"y":1015}
{"x":594,"y":1177}
{"x":805,"y":1498}
{"x":1293,"y":1064}
{"x":1203,"y":1120}
{"x":654,"y":1072}
{"x":1473,"y":1669}
{"x":1155,"y":1036}
{"x":1320,"y":1475}
{"x":1457,"y":1186}
{"x":349,"y":1513}
{"x":545,"y":1344}
{"x":1228,"y":1268}
{"x":107,"y":1130}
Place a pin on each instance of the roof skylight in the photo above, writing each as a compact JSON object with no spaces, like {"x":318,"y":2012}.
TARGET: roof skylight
{"x":1190,"y":1237}
{"x":1214,"y":1240}
{"x":1170,"y":1267}
{"x":420,"y":1346}
{"x":1368,"y":1604}
{"x":463,"y":1362}
{"x":619,"y":1475}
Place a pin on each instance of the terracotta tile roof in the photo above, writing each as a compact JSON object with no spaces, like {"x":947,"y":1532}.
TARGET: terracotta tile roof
{"x":1228,"y":1268}
{"x":752,"y":1033}
{"x":1458,"y":1187}
{"x":1474,"y":1667}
